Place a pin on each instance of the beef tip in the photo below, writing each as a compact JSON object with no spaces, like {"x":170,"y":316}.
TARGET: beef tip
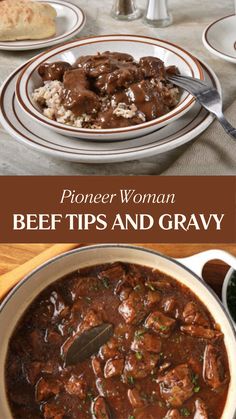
{"x":59,"y":307}
{"x":113,"y":367}
{"x":172,"y":414}
{"x":142,"y":413}
{"x":140,"y":365}
{"x":144,"y":341}
{"x":91,"y":319}
{"x":100,"y":409}
{"x":170,"y":306}
{"x":201,"y":332}
{"x":34,"y":370}
{"x":152,"y":298}
{"x":113,"y":272}
{"x":76,"y":96}
{"x":106,"y":388}
{"x":96,"y":365}
{"x":160,"y":323}
{"x":176,"y":386}
{"x":147,"y":98}
{"x":119,"y":78}
{"x":201,"y":411}
{"x":172,"y":70}
{"x":135,"y":398}
{"x":110,"y":349}
{"x":213,"y":370}
{"x":47,"y":388}
{"x":53,"y":71}
{"x":96,"y":65}
{"x":123,"y":289}
{"x":132,"y":310}
{"x":152,"y":67}
{"x":192,"y":314}
{"x":53,"y":411}
{"x":76,"y":386}
{"x":83,"y":286}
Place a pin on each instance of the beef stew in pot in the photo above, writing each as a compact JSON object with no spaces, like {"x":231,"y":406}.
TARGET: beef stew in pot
{"x":118,"y":341}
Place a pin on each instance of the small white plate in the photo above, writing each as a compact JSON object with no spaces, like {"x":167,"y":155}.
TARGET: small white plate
{"x":220,"y":38}
{"x":31,"y":133}
{"x":69,"y":22}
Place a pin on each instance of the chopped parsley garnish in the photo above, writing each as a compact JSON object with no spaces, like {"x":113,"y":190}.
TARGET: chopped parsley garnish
{"x":139,"y":356}
{"x":106,"y":282}
{"x":185,"y":412}
{"x":131,"y":379}
{"x":163,"y":328}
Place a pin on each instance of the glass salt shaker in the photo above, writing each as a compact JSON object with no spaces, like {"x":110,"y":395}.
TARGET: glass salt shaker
{"x":157,"y":14}
{"x":125,"y":10}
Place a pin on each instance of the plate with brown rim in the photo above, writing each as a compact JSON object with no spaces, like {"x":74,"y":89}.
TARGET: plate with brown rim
{"x":40,"y":138}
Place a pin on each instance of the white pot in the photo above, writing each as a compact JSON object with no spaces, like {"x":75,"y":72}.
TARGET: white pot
{"x":187,"y":271}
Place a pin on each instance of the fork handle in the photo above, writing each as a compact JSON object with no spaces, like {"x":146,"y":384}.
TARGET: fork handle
{"x":227,"y":126}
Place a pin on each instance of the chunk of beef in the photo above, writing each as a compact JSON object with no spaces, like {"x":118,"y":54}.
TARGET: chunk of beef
{"x":192,"y":314}
{"x":200,"y":332}
{"x":176,"y":386}
{"x":144,"y":341}
{"x":201,"y":410}
{"x":152,"y":298}
{"x":140,"y":365}
{"x":135,"y":398}
{"x":123,"y":289}
{"x":77,"y":96}
{"x":76,"y":386}
{"x":100,"y":409}
{"x":160,"y":323}
{"x":121,"y":78}
{"x":114,"y":367}
{"x":47,"y":388}
{"x":110,"y":349}
{"x":97,"y":366}
{"x":51,"y":410}
{"x":213,"y":370}
{"x":152,"y":67}
{"x":170,"y":306}
{"x":172,"y":414}
{"x":59,"y":307}
{"x":53,"y":71}
{"x":91,"y":319}
{"x":132,"y":309}
{"x":114,"y":272}
{"x":106,"y":388}
{"x":96,"y":65}
{"x":33,"y":370}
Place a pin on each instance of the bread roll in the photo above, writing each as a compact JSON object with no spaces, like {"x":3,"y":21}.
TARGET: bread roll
{"x":23,"y":19}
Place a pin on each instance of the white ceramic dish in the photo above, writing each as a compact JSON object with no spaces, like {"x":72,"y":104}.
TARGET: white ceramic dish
{"x":220,"y":38}
{"x":135,"y":45}
{"x":44,"y":140}
{"x":24,"y":293}
{"x":69,"y":22}
{"x":226,"y":283}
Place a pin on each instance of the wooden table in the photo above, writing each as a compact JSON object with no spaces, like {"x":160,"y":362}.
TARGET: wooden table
{"x":190,"y":18}
{"x":13,"y":255}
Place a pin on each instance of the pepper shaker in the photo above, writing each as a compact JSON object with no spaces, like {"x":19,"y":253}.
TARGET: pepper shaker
{"x":125,"y":10}
{"x":157,"y":14}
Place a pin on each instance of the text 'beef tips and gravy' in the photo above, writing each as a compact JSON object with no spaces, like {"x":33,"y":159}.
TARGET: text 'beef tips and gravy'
{"x":108,"y":90}
{"x":117,"y":341}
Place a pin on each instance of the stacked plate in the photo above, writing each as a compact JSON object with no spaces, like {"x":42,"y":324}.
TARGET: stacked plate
{"x":26,"y":123}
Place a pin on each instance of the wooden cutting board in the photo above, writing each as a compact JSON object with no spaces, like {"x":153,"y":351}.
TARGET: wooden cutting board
{"x":14,"y":255}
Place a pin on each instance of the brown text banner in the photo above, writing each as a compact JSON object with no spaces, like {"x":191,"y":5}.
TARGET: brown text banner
{"x":118,"y":209}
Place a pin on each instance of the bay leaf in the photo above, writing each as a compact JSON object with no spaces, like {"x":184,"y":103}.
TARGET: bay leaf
{"x":88,"y":343}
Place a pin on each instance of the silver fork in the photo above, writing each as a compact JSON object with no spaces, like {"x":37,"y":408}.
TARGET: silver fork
{"x":207,"y":96}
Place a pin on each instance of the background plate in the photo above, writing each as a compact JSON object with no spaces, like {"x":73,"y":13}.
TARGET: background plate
{"x":70,"y":21}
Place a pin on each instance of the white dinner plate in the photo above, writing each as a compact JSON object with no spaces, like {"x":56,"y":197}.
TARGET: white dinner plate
{"x":70,"y":21}
{"x":220,"y":38}
{"x":42,"y":139}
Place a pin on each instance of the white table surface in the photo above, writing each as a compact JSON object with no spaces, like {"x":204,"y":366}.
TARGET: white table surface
{"x":190,"y":17}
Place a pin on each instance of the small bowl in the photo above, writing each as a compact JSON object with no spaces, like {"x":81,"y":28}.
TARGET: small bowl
{"x":138,"y":46}
{"x":226,"y":283}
